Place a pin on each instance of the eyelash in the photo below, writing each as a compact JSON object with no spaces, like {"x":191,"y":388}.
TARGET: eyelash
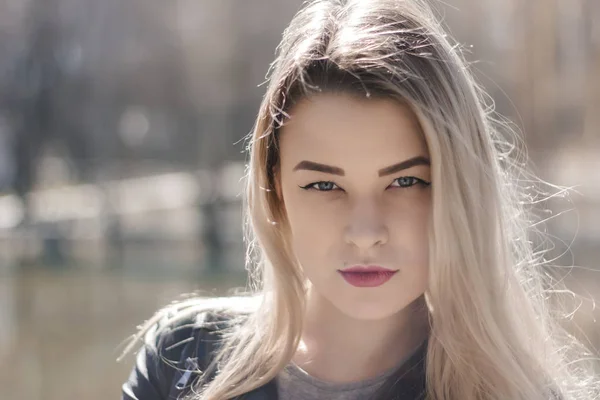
{"x":415,"y":181}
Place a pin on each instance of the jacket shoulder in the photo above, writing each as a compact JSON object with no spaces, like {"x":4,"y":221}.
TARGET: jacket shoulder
{"x":179,"y":343}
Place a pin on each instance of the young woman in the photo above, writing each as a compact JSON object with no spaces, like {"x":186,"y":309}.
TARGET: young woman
{"x":388,"y":237}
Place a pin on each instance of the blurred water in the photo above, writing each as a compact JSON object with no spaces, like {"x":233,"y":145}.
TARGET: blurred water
{"x":60,"y":330}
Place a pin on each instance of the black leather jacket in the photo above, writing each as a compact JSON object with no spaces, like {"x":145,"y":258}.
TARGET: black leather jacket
{"x":172,"y":351}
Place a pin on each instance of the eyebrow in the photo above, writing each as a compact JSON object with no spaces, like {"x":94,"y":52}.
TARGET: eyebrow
{"x":392,"y":169}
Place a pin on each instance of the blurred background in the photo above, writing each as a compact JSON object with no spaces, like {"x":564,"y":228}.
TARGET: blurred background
{"x":121,"y":156}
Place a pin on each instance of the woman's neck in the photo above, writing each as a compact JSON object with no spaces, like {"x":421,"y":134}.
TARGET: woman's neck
{"x":337,"y":348}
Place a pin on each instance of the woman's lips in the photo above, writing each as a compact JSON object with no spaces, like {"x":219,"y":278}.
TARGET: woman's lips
{"x":367,"y":276}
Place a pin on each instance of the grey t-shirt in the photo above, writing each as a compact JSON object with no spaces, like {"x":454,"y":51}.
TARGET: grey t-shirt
{"x":293,"y":383}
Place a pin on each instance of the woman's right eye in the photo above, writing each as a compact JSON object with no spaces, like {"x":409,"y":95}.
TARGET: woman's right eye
{"x":321,"y":186}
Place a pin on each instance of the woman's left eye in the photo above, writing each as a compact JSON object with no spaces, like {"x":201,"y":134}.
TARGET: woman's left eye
{"x":408,"y":181}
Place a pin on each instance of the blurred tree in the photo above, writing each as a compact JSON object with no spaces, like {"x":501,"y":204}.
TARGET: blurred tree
{"x":45,"y":100}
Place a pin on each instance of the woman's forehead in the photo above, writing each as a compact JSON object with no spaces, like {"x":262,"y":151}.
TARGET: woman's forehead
{"x":330,"y":125}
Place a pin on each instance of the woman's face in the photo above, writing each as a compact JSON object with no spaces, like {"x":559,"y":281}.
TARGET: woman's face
{"x":354,"y":178}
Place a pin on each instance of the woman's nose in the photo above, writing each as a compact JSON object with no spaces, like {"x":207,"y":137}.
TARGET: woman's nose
{"x":366,"y":227}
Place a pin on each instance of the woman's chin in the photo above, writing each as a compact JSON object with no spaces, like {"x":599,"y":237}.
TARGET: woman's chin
{"x":368,"y":309}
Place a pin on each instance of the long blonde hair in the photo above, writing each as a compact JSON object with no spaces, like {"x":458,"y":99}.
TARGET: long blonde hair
{"x":492,"y":335}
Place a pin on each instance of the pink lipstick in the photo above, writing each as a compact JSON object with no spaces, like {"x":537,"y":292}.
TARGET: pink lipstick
{"x":367,"y":275}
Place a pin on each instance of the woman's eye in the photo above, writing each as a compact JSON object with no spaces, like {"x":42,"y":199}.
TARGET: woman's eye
{"x":322,"y":186}
{"x":408,"y":181}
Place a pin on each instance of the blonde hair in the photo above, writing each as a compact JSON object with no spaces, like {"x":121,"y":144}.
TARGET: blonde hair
{"x":492,"y":335}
